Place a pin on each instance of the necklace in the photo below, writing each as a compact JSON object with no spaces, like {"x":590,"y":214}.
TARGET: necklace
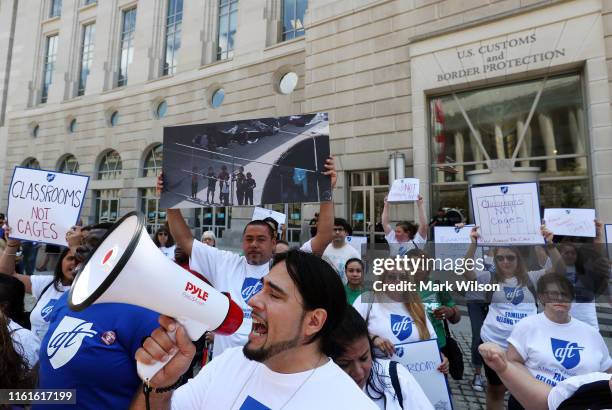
{"x":290,"y":397}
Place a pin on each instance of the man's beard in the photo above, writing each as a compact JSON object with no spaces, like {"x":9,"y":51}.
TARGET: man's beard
{"x":264,"y":353}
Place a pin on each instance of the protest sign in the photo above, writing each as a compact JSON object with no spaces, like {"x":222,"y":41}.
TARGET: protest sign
{"x":452,"y":242}
{"x":263,"y":213}
{"x":507,"y":214}
{"x":608,"y":235}
{"x":44,"y":205}
{"x":404,"y":190}
{"x":247,"y":162}
{"x":422,"y":360}
{"x":357,"y":242}
{"x":570,"y":221}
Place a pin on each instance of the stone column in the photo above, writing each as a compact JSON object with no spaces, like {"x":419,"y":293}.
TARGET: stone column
{"x":476,"y":152}
{"x":548,"y":136}
{"x":459,"y":155}
{"x":499,"y":142}
{"x":525,"y":148}
{"x":576,"y":136}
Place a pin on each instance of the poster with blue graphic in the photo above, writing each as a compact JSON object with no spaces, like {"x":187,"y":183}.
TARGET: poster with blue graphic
{"x":422,"y":360}
{"x":507,"y":213}
{"x":44,"y":205}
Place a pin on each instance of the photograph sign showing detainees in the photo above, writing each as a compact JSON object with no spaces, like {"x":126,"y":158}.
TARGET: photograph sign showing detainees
{"x":247,"y":162}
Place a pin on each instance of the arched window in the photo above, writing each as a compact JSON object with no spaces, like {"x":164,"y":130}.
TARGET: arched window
{"x":153,"y":162}
{"x":110,"y":166}
{"x":31,"y":163}
{"x":68,"y":164}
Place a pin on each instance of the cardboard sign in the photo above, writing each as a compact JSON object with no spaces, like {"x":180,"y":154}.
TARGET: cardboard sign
{"x":507,"y":214}
{"x":570,"y":221}
{"x":44,"y":205}
{"x":608,"y":236}
{"x":247,"y":162}
{"x":357,"y":242}
{"x":422,"y":360}
{"x":404,"y":190}
{"x":263,"y":213}
{"x":452,"y":242}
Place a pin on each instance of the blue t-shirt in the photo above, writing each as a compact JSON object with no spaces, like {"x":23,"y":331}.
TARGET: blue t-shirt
{"x":93,"y":351}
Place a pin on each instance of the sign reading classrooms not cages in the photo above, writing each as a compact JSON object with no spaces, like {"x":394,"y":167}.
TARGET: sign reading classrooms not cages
{"x":247,"y":162}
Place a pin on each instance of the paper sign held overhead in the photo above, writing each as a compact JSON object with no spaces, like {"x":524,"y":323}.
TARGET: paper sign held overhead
{"x":263,"y":213}
{"x":356,"y":242}
{"x":44,"y":205}
{"x":570,"y":221}
{"x":507,"y":213}
{"x":452,"y":242}
{"x":404,"y":190}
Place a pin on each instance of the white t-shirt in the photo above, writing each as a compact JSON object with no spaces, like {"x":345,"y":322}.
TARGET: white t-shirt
{"x":390,"y":320}
{"x":412,"y":394}
{"x":25,"y":343}
{"x":230,"y":272}
{"x":554,"y":352}
{"x":233,"y":382}
{"x":508,"y":306}
{"x":168,"y":251}
{"x":337,"y":258}
{"x":402,"y":248}
{"x":39,"y":318}
{"x":568,"y":387}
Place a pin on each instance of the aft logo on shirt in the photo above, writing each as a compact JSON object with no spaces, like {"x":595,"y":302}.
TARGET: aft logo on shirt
{"x":566,"y":353}
{"x":401,"y":326}
{"x":250,"y":287}
{"x":45,"y":312}
{"x":67,"y":339}
{"x":514,"y":295}
{"x":252,"y":404}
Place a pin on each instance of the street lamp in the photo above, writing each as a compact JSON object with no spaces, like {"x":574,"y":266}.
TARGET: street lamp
{"x":397,"y":166}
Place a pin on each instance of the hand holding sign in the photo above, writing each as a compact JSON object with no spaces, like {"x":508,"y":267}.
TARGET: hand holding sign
{"x":43,"y":205}
{"x":263,"y":213}
{"x":404,"y":190}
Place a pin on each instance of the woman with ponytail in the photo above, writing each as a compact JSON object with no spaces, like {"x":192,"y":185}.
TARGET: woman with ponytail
{"x":395,"y":317}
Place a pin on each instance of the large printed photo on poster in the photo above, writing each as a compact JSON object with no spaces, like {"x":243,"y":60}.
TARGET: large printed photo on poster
{"x":247,"y":162}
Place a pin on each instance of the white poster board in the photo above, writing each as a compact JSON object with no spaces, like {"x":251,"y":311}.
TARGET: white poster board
{"x":263,"y":213}
{"x":356,"y":242}
{"x":570,"y":221}
{"x":507,"y":214}
{"x":44,"y":205}
{"x":452,"y":242}
{"x":422,"y":360}
{"x":404,"y":190}
{"x":608,"y":236}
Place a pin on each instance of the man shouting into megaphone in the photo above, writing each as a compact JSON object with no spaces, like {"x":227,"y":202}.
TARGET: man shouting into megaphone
{"x":283,"y":365}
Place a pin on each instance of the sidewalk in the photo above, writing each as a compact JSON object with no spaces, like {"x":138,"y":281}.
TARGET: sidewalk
{"x":464,"y":397}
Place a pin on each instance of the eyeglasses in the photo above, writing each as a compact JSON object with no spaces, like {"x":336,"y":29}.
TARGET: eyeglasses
{"x":162,"y":233}
{"x":339,"y":229}
{"x":501,"y":258}
{"x":556,"y":295}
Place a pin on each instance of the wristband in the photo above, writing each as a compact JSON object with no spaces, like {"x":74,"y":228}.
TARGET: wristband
{"x":166,"y":389}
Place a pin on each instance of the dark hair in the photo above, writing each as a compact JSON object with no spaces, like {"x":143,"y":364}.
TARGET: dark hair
{"x":280,"y":241}
{"x":557,"y":279}
{"x":170,"y":238}
{"x":259,"y":222}
{"x":408,"y":227}
{"x":352,"y":328}
{"x":320,"y":288}
{"x":12,"y":294}
{"x":342,"y":222}
{"x":272,"y":221}
{"x":14,"y":371}
{"x":2,"y":216}
{"x":58,"y":274}
{"x":353,"y":260}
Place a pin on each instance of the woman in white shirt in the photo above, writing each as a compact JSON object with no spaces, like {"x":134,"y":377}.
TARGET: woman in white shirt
{"x":553,"y":345}
{"x":165,"y":242}
{"x":352,"y":350}
{"x":515,"y":300}
{"x":405,"y":235}
{"x":46,"y":289}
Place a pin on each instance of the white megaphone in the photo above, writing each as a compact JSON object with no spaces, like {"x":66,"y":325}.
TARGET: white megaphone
{"x":127,"y":267}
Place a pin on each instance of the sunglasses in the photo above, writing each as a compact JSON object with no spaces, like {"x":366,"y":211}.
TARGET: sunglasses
{"x":501,"y":258}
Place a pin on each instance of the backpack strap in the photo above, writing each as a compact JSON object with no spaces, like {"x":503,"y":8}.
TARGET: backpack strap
{"x":42,"y":293}
{"x":395,"y":382}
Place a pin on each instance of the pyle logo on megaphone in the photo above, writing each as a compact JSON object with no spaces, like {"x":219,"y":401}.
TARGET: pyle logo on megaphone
{"x":194,"y":293}
{"x":108,"y":260}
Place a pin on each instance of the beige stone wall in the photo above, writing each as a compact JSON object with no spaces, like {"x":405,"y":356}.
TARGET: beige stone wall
{"x":353,"y":62}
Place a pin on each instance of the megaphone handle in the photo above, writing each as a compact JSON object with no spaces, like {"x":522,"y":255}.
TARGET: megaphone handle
{"x":148,"y":371}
